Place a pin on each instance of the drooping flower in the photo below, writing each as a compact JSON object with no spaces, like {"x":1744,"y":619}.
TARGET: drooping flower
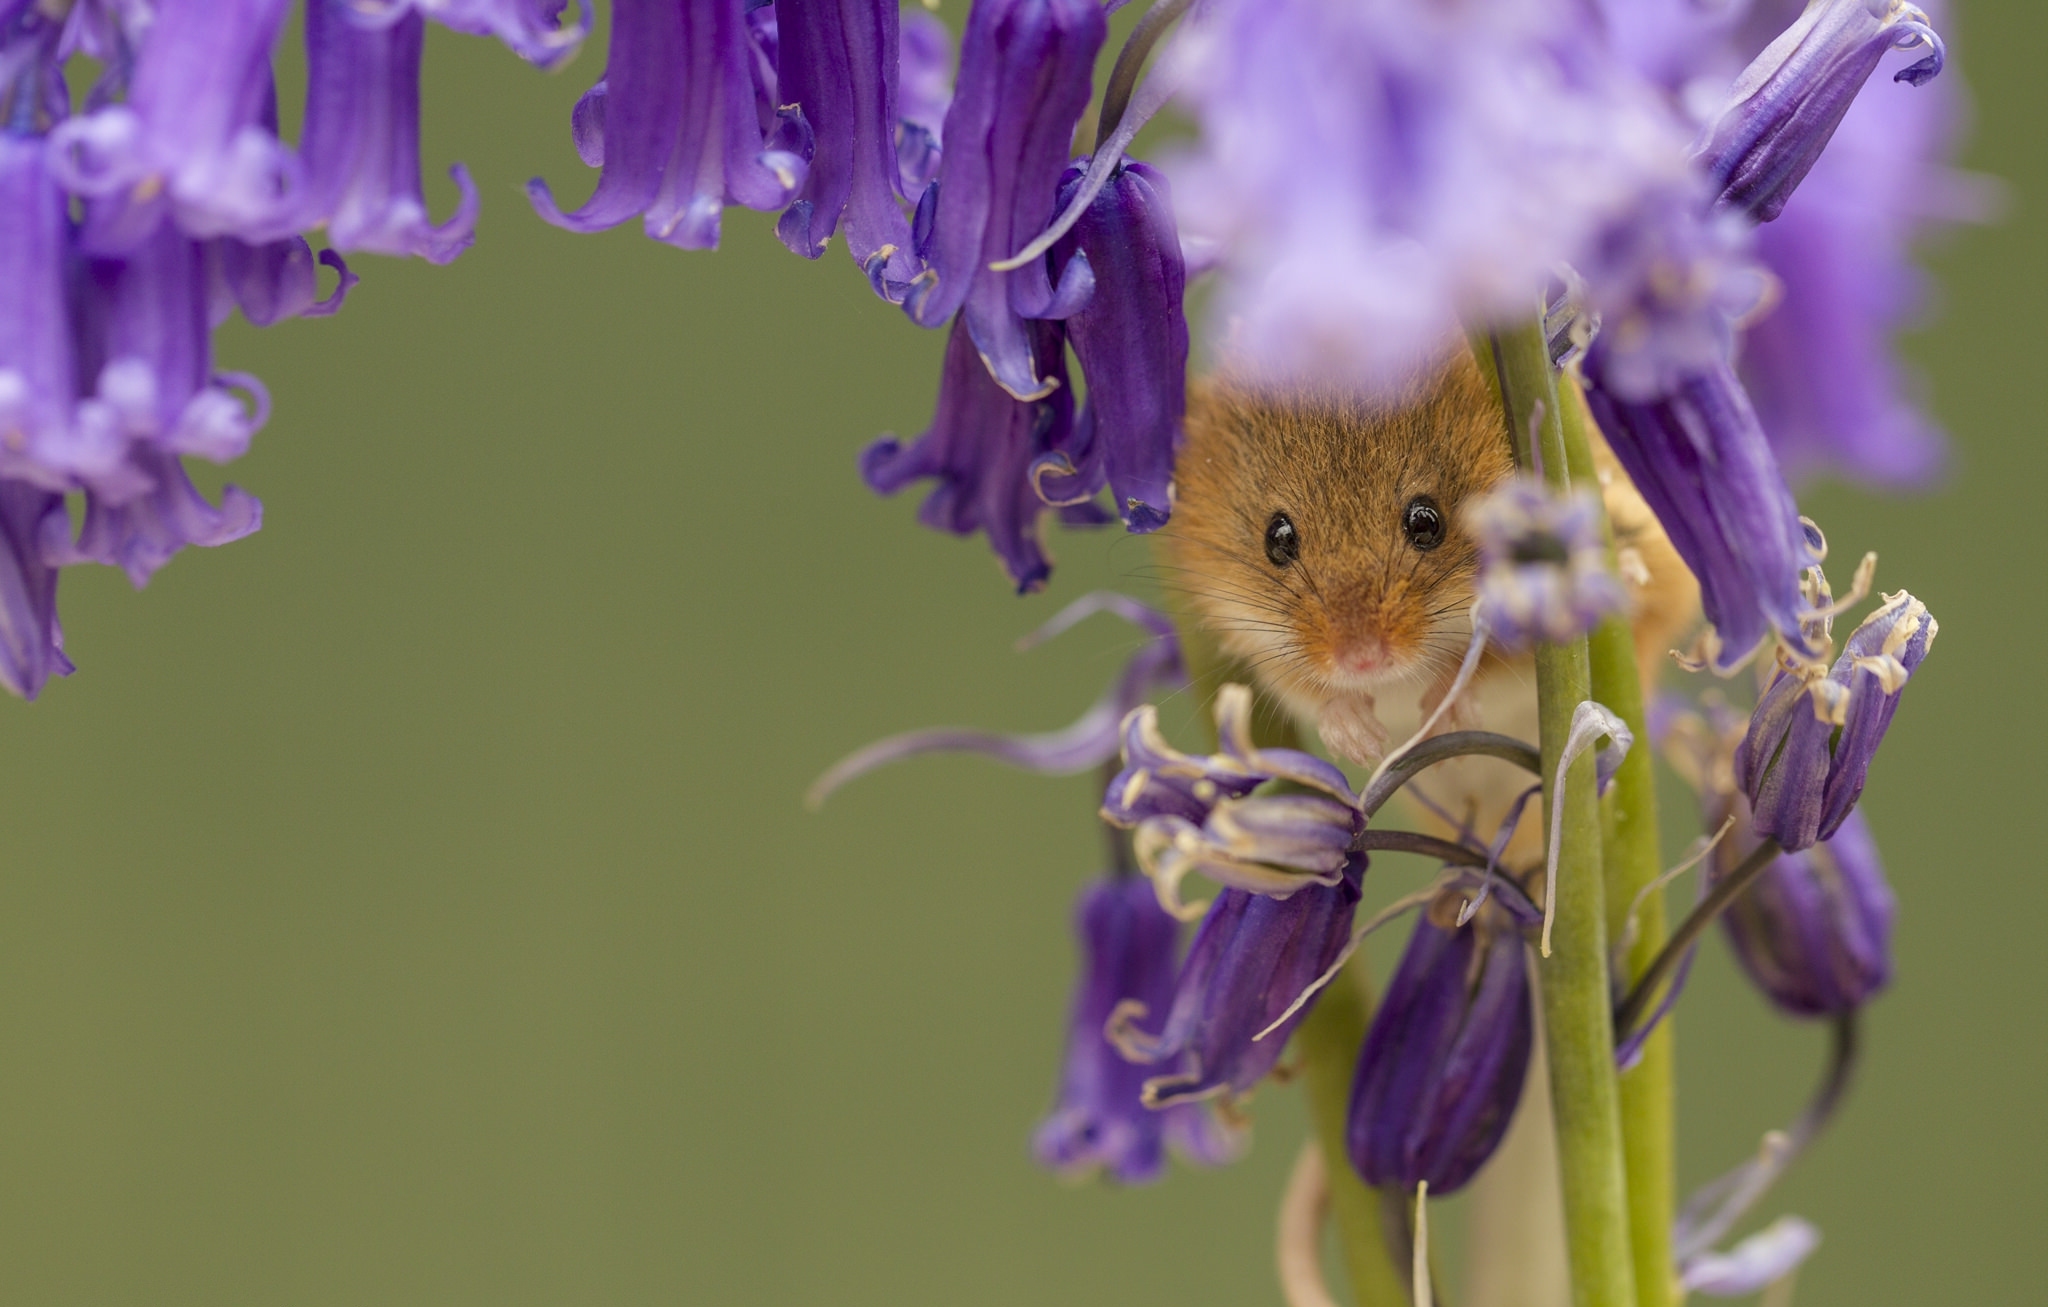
{"x":1444,"y":1059}
{"x":1026,"y":70}
{"x":837,"y":61}
{"x":1251,"y":960}
{"x":361,"y":142}
{"x":31,"y":645}
{"x":1814,"y":931}
{"x":1128,"y":952}
{"x":678,"y":128}
{"x":1804,"y":759}
{"x":37,"y":388}
{"x":924,"y":90}
{"x":1543,"y":564}
{"x":1785,"y":106}
{"x":533,"y":29}
{"x":1379,"y":171}
{"x":980,"y":448}
{"x":1132,"y":342}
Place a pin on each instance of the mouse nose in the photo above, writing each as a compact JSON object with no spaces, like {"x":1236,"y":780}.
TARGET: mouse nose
{"x":1363,"y":653}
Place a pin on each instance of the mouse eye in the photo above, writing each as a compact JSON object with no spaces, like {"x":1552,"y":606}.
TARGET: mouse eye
{"x":1283,"y":542}
{"x":1423,"y":523}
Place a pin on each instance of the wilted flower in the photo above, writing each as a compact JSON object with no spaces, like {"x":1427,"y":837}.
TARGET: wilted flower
{"x":1814,"y":931}
{"x":1128,"y":952}
{"x":1026,"y":73}
{"x":1543,"y":564}
{"x":1444,"y":1059}
{"x":1803,"y":761}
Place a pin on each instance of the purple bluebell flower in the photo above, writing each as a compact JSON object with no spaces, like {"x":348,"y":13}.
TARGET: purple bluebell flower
{"x":37,"y":385}
{"x":1785,"y":106}
{"x":1543,"y":564}
{"x":1026,"y":74}
{"x":1128,"y":952}
{"x":1814,"y":932}
{"x":1445,"y":1056}
{"x":533,"y":29}
{"x":1803,"y":761}
{"x":924,"y":91}
{"x":678,"y":128}
{"x":361,"y":142}
{"x":1702,"y":463}
{"x":837,"y":61}
{"x":1132,"y":342}
{"x":31,"y":644}
{"x":980,"y":449}
{"x":1381,"y":170}
{"x":1251,"y":960}
{"x":196,"y":140}
{"x":276,"y":280}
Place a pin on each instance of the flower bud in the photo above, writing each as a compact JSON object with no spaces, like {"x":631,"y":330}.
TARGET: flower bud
{"x":1815,"y":930}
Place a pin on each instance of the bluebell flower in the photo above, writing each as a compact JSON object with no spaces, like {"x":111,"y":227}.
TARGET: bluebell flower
{"x":1444,"y":1059}
{"x":37,"y":373}
{"x":1129,"y":948}
{"x":31,"y":644}
{"x":924,"y":90}
{"x":1251,"y":960}
{"x":1026,"y":74}
{"x":1785,"y":106}
{"x":1814,"y":932}
{"x":1132,"y":342}
{"x":980,"y":449}
{"x":1543,"y":571}
{"x":1803,"y":762}
{"x":361,"y":141}
{"x":534,"y":30}
{"x":676,"y":124}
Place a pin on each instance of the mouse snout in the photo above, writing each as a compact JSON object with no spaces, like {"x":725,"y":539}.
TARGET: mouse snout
{"x":1363,"y":652}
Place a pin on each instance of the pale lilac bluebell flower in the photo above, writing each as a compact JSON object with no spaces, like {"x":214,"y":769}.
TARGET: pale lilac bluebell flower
{"x":1129,"y":948}
{"x":1814,"y":931}
{"x":1250,"y":962}
{"x":980,"y":448}
{"x":1756,"y":1263}
{"x":1785,"y":106}
{"x":1803,"y":761}
{"x":1026,"y":74}
{"x":37,"y":378}
{"x":678,"y":129}
{"x":1444,"y":1059}
{"x":533,"y":29}
{"x":361,"y":142}
{"x":1543,"y":571}
{"x":924,"y":91}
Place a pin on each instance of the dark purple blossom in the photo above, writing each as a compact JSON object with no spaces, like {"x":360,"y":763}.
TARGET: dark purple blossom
{"x":1814,"y":932}
{"x":924,"y":90}
{"x":1026,"y":70}
{"x":1128,"y":952}
{"x":1705,"y":468}
{"x":196,"y":139}
{"x":1132,"y":341}
{"x":1785,"y":106}
{"x":1803,"y":761}
{"x":1251,"y":960}
{"x":361,"y":142}
{"x":980,"y":448}
{"x":1543,"y":564}
{"x":837,"y":61}
{"x":677,"y":126}
{"x":1444,"y":1059}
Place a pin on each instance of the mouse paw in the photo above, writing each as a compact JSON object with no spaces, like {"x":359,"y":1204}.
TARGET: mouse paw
{"x":1351,"y":730}
{"x":1462,"y":715}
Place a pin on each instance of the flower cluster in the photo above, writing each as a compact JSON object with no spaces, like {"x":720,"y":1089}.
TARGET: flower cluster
{"x":1543,"y":571}
{"x":133,"y":224}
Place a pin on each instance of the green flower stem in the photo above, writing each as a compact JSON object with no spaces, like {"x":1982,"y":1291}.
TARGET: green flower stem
{"x":1327,"y":1043}
{"x":1630,"y":856}
{"x":1577,"y":1002}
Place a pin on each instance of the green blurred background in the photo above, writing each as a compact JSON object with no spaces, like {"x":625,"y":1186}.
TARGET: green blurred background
{"x":412,"y":904}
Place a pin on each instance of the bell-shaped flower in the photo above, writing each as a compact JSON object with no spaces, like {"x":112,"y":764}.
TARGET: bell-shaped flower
{"x":924,"y":90}
{"x":361,"y":142}
{"x":1804,"y":759}
{"x":1251,"y":960}
{"x":1444,"y":1059}
{"x":678,"y":127}
{"x":37,"y":387}
{"x":1380,"y":171}
{"x":980,"y":448}
{"x":196,"y":139}
{"x":1785,"y":106}
{"x":533,"y":29}
{"x":1129,"y":948}
{"x":31,"y":645}
{"x":1815,"y":930}
{"x":1132,"y":342}
{"x":1543,"y":571}
{"x":1026,"y":74}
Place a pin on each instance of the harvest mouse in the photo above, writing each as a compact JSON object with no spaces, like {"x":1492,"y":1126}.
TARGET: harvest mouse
{"x":1319,"y":537}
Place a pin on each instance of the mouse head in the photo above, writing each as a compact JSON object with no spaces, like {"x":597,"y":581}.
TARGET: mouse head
{"x":1319,"y":534}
